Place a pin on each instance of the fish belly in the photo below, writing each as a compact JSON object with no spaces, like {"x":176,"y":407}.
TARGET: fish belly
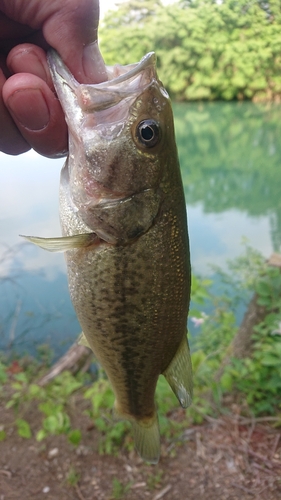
{"x":131,"y":302}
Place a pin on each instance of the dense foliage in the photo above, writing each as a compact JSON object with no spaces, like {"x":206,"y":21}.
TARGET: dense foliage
{"x":206,"y":49}
{"x":256,"y":378}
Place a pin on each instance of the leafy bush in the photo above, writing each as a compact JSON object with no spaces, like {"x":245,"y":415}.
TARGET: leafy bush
{"x":52,"y":401}
{"x":259,"y":377}
{"x":256,"y":378}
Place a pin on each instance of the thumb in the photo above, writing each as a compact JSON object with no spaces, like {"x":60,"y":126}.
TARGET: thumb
{"x":73,"y":33}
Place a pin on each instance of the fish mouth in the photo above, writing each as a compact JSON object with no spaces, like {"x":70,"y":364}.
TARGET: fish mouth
{"x":123,"y":82}
{"x":118,"y":74}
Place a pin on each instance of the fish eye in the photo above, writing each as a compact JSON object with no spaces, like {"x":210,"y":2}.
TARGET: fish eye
{"x":148,"y":132}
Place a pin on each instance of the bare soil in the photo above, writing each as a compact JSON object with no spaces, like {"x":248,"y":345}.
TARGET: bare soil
{"x":230,"y":458}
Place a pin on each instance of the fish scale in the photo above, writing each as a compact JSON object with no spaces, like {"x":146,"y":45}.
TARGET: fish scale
{"x":123,"y":219}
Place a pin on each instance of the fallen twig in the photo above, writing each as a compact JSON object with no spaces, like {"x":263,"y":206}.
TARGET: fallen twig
{"x":162,"y":492}
{"x":264,"y":469}
{"x":6,"y":473}
{"x":275,"y":444}
{"x":261,"y":491}
{"x":78,"y":491}
{"x":138,"y":485}
{"x":240,"y":487}
{"x":245,"y":421}
{"x":260,"y":457}
{"x":73,"y":360}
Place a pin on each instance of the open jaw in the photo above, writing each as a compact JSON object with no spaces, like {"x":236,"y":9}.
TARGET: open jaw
{"x":124,"y":82}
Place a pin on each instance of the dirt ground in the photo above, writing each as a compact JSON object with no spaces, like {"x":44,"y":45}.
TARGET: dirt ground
{"x":226,"y":459}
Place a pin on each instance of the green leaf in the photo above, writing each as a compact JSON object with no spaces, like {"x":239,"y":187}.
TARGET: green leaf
{"x":41,"y":434}
{"x":74,"y":437}
{"x":226,"y":382}
{"x":100,"y":424}
{"x":21,"y":377}
{"x":23,"y":428}
{"x":2,"y":435}
{"x":17,"y":386}
{"x":50,"y":424}
{"x":57,"y":424}
{"x":36,"y":391}
{"x":270,"y":360}
{"x":3,"y":374}
{"x":10,"y":403}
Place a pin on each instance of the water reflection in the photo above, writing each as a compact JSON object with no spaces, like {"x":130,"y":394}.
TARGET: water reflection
{"x":231,"y":159}
{"x":230,"y":156}
{"x":34,"y":302}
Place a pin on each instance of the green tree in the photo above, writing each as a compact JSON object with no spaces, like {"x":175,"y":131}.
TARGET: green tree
{"x":206,"y":50}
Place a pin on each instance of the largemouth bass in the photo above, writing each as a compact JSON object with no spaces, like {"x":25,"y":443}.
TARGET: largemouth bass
{"x":123,"y":220}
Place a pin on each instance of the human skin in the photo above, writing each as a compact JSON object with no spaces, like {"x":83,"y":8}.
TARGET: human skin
{"x":30,"y":113}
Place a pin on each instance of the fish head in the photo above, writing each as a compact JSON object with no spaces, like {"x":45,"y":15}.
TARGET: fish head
{"x":120,"y":137}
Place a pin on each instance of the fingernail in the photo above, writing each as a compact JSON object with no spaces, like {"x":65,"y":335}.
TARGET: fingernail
{"x":29,"y":108}
{"x":93,"y":64}
{"x":26,"y":60}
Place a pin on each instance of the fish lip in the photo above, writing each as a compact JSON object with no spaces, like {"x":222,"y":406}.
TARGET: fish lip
{"x":148,"y":60}
{"x":56,"y":65}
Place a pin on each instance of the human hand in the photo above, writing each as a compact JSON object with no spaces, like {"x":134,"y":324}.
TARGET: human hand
{"x":30,"y":113}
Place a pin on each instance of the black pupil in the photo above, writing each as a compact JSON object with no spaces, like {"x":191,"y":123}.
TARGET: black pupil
{"x":147,"y":133}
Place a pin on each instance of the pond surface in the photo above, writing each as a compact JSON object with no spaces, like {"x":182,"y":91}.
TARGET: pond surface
{"x":230,"y":155}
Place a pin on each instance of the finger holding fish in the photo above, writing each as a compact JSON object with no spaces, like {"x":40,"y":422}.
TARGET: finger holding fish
{"x":30,"y":114}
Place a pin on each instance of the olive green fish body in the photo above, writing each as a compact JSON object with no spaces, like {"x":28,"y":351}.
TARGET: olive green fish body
{"x":123,"y":219}
{"x":131,"y":301}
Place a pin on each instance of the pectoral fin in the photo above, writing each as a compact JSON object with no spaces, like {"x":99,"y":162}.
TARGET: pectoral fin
{"x":179,"y":374}
{"x":64,"y":243}
{"x":83,"y":341}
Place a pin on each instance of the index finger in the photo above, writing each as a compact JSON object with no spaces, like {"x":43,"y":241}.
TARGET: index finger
{"x":11,"y":140}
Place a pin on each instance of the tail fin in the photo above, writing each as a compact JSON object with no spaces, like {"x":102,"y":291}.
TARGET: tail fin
{"x":147,"y":439}
{"x":179,"y":374}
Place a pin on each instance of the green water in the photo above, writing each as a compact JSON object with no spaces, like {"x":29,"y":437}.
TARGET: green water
{"x":230,"y":155}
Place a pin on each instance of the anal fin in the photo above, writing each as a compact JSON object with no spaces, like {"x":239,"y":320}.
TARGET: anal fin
{"x":179,"y":374}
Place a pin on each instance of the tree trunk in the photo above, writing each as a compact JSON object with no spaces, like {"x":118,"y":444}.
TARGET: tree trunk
{"x":255,"y":314}
{"x":242,"y":342}
{"x":241,"y":345}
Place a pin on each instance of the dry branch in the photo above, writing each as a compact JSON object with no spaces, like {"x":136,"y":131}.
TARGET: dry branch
{"x":78,"y":357}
